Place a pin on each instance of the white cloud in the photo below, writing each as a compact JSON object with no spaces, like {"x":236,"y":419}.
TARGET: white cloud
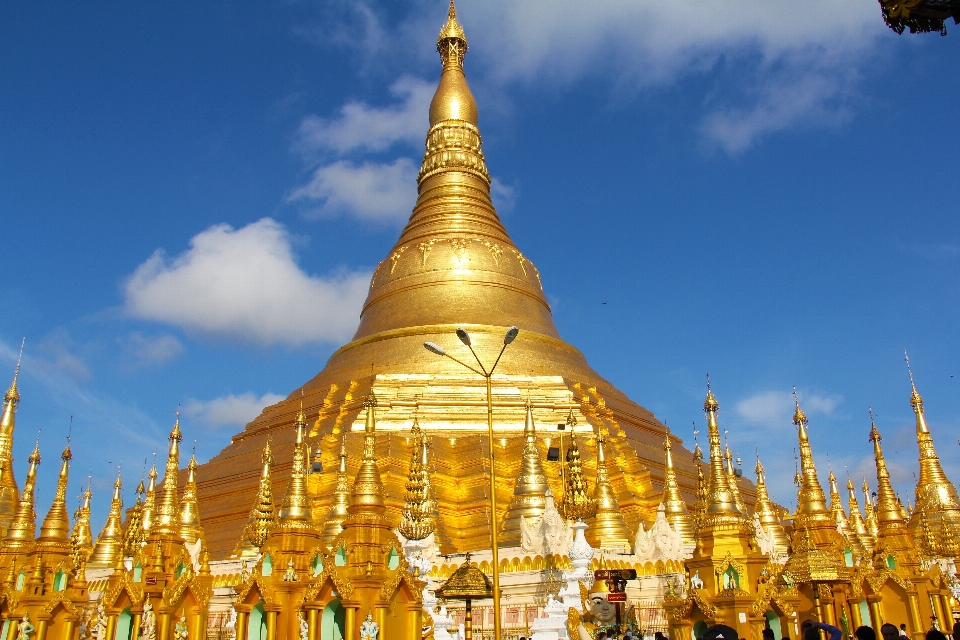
{"x":246,"y":284}
{"x":503,"y":195}
{"x":152,"y":350}
{"x":370,"y":191}
{"x":773,"y":408}
{"x":751,"y":51}
{"x":362,"y":127}
{"x":230,"y":410}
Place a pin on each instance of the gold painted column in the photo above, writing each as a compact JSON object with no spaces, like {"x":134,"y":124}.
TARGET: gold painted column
{"x":947,"y":611}
{"x":913,"y":613}
{"x":135,"y":626}
{"x":380,"y":615}
{"x":241,"y":628}
{"x":415,"y":622}
{"x":856,"y":620}
{"x":41,"y":630}
{"x":937,"y":605}
{"x":468,"y":621}
{"x":68,"y":629}
{"x":12,"y":629}
{"x":163,"y":626}
{"x":271,"y":625}
{"x":875,"y":614}
{"x":313,"y":631}
{"x":111,"y":627}
{"x":350,"y":622}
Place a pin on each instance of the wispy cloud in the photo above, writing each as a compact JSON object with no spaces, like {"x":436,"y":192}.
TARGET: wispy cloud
{"x":773,"y":408}
{"x":246,"y":284}
{"x":358,"y":126}
{"x":370,"y":191}
{"x":230,"y":410}
{"x":151,"y":350}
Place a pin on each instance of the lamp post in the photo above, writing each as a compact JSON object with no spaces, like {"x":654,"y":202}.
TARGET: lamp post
{"x":509,"y":337}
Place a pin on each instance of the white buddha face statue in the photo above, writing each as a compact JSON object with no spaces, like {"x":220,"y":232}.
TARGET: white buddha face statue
{"x":604,"y":612}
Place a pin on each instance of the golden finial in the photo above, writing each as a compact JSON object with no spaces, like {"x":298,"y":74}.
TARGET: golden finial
{"x":799,"y":417}
{"x":262,"y":515}
{"x":710,"y":405}
{"x":697,"y":452}
{"x":56,"y":526}
{"x":530,"y":488}
{"x":451,"y":34}
{"x":81,"y":540}
{"x":295,"y":508}
{"x":416,"y":522}
{"x":168,"y":511}
{"x":190,"y":529}
{"x":576,"y":503}
{"x":150,"y":498}
{"x":675,"y":508}
{"x":341,"y":499}
{"x":109,"y":545}
{"x":720,"y":498}
{"x":887,"y":512}
{"x":915,"y":400}
{"x":13,"y":394}
{"x":609,"y":529}
{"x":367,"y":493}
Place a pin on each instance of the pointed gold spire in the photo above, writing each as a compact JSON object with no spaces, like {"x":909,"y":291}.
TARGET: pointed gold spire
{"x":453,"y":99}
{"x":167,"y":516}
{"x":56,"y":526}
{"x":109,"y":547}
{"x":81,"y":539}
{"x":9,"y":493}
{"x":811,"y":502}
{"x":675,"y":508}
{"x":295,"y":507}
{"x":700,"y":506}
{"x":732,"y":479}
{"x":609,"y":530}
{"x":339,"y":508}
{"x":134,"y":536}
{"x":869,"y":515}
{"x":367,"y":493}
{"x":150,"y":501}
{"x":416,"y":521}
{"x":720,"y":499}
{"x":577,"y":504}
{"x":263,"y":515}
{"x":767,"y":513}
{"x":857,"y":523}
{"x":837,"y":511}
{"x":887,"y":512}
{"x":190,"y":527}
{"x":22,"y":528}
{"x":530,"y":489}
{"x":936,"y":496}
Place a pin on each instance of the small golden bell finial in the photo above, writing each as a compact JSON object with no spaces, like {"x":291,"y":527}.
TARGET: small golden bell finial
{"x":13,"y":394}
{"x":799,"y":417}
{"x":915,"y":400}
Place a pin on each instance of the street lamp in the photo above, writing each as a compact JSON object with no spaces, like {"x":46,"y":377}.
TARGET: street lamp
{"x":509,"y":337}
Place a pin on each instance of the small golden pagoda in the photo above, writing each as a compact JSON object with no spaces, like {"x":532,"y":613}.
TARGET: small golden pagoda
{"x":9,"y":492}
{"x":675,"y":508}
{"x":937,"y":504}
{"x":768,"y":513}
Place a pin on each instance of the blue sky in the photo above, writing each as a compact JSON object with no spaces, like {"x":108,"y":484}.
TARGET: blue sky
{"x":753,"y":190}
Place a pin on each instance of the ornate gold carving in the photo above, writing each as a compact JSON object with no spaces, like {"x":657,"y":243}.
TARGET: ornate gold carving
{"x":394,"y":257}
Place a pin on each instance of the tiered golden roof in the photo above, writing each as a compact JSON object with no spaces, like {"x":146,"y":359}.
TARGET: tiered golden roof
{"x":530,"y":489}
{"x":577,"y":504}
{"x":811,"y":502}
{"x":367,"y":493}
{"x":295,"y":508}
{"x":887,"y":512}
{"x":721,"y":502}
{"x":134,"y":536}
{"x":81,"y":538}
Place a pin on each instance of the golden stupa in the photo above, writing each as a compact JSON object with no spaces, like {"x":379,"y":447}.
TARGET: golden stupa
{"x":454,"y":265}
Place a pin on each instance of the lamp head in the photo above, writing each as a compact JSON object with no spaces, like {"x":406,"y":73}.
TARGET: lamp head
{"x":433,"y":347}
{"x":511,"y":335}
{"x":464,"y":336}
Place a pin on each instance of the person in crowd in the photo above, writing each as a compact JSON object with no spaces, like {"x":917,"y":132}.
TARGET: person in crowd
{"x":903,"y":630}
{"x":936,"y":634}
{"x":865,"y":633}
{"x":811,"y":630}
{"x":768,"y":634}
{"x":889,"y":631}
{"x":720,"y":632}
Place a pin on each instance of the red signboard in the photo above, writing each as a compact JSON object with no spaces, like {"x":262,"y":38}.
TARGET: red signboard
{"x":151,"y":580}
{"x":616,"y":597}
